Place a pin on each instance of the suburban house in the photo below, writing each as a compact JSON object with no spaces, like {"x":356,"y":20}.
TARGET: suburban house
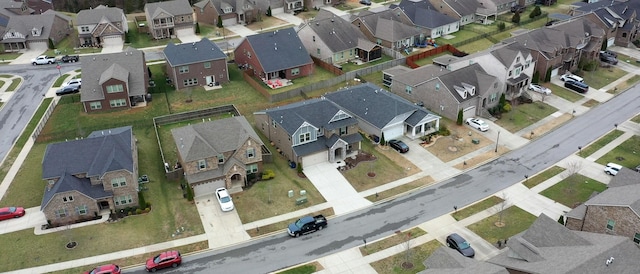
{"x":512,"y":64}
{"x":619,"y":19}
{"x":446,"y":260}
{"x":382,"y":112}
{"x":101,"y":25}
{"x":114,"y":81}
{"x":231,"y":12}
{"x":310,"y":132}
{"x":219,"y":153}
{"x":274,"y":55}
{"x":12,"y":8}
{"x":86,"y":176}
{"x":462,"y":10}
{"x":549,"y":247}
{"x":34,"y":31}
{"x":166,"y":19}
{"x":390,"y":28}
{"x":196,"y":64}
{"x":560,"y":47}
{"x":293,"y":6}
{"x":469,"y":89}
{"x":334,"y":40}
{"x":423,"y":15}
{"x":615,"y":211}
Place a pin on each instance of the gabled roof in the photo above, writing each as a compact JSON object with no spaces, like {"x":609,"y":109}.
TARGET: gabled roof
{"x":11,"y":8}
{"x":192,"y":53}
{"x":622,"y":191}
{"x":317,"y":112}
{"x":174,"y":8}
{"x":25,"y":23}
{"x":96,"y":15}
{"x":449,"y":261}
{"x":210,"y":139}
{"x":423,"y":14}
{"x":463,"y":7}
{"x":279,"y":50}
{"x":337,"y":33}
{"x":386,"y":24}
{"x":96,"y":69}
{"x":473,"y":75}
{"x":68,"y":182}
{"x":102,"y":151}
{"x":508,"y":53}
{"x":417,"y":76}
{"x":549,"y":247}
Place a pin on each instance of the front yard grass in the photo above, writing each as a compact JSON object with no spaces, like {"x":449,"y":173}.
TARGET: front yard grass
{"x":573,"y":190}
{"x":304,"y":269}
{"x":424,"y":181}
{"x":626,"y":154}
{"x":398,"y":238}
{"x":477,"y":207}
{"x":625,"y":85}
{"x":565,"y":93}
{"x":515,"y":220}
{"x":524,"y":115}
{"x":543,"y":176}
{"x":254,"y":232}
{"x":636,"y":119}
{"x":145,"y":40}
{"x":266,"y":22}
{"x":602,"y":76}
{"x":627,"y":59}
{"x":417,"y":255}
{"x":600,"y":143}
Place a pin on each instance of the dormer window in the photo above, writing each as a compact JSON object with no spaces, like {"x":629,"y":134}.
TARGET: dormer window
{"x":35,"y":32}
{"x":228,"y":10}
{"x":305,"y":137}
{"x":251,"y":152}
{"x":220,"y":159}
{"x":202,"y":164}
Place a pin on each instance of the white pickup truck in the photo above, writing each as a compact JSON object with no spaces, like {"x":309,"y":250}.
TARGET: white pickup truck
{"x":43,"y":60}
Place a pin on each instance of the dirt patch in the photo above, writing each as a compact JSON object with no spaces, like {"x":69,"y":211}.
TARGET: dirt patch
{"x":360,"y":157}
{"x":458,"y":144}
{"x":472,"y":162}
{"x":541,"y":130}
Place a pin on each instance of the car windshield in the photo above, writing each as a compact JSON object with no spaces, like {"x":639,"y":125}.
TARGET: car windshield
{"x":480,"y":122}
{"x":12,"y":209}
{"x":225,"y":199}
{"x":156,"y":259}
{"x":464,"y":245}
{"x":299,"y":223}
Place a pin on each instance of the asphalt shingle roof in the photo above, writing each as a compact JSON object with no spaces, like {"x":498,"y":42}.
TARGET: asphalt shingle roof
{"x":23,"y":24}
{"x":337,"y":33}
{"x":71,"y":183}
{"x":279,"y":50}
{"x":449,"y":261}
{"x":423,"y":14}
{"x":191,"y":53}
{"x":99,"y":13}
{"x":98,"y":68}
{"x":317,"y":112}
{"x":174,"y":8}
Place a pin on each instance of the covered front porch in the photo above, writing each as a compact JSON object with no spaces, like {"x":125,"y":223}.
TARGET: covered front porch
{"x":429,"y":124}
{"x":515,"y":86}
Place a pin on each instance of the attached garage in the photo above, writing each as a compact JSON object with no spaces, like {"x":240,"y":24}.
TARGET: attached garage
{"x":112,"y":41}
{"x":611,"y":41}
{"x":314,"y":159}
{"x":393,"y":132}
{"x":38,"y":46}
{"x":229,"y":21}
{"x":207,"y":188}
{"x":469,"y":112}
{"x":554,"y":72}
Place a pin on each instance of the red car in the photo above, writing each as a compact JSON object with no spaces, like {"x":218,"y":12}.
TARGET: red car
{"x":11,"y":212}
{"x":164,"y":260}
{"x":105,"y":269}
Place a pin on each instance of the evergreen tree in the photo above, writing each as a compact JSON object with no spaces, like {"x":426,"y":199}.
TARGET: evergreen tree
{"x":382,"y":141}
{"x":561,"y":220}
{"x":219,"y":21}
{"x":459,"y":121}
{"x":269,"y":11}
{"x":536,"y":77}
{"x":604,"y":45}
{"x":516,"y":18}
{"x":197,"y":28}
{"x":547,"y":77}
{"x":51,"y":45}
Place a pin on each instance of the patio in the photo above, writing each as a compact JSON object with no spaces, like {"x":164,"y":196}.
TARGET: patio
{"x":276,"y":83}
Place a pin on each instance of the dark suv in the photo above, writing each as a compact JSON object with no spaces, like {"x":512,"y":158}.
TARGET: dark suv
{"x":398,"y":145}
{"x":608,"y":59}
{"x":518,"y":9}
{"x":577,"y":86}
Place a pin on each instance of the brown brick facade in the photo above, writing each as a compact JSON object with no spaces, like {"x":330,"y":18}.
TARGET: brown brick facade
{"x":62,"y":201}
{"x":217,"y":73}
{"x":245,"y":55}
{"x":627,"y":222}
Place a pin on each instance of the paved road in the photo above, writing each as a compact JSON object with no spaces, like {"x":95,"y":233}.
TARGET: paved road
{"x":279,"y":251}
{"x":17,"y":112}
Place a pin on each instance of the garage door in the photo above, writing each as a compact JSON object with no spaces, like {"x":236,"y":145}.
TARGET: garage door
{"x":468,"y":113}
{"x":38,"y":45}
{"x":611,"y":41}
{"x":207,"y":188}
{"x":112,"y":41}
{"x":314,"y":159}
{"x":229,"y":22}
{"x":555,"y":72}
{"x":393,"y":132}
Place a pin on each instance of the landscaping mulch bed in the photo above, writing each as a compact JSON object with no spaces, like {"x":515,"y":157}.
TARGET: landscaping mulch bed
{"x":361,"y":157}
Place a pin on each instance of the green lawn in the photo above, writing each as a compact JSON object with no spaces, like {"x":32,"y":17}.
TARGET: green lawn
{"x":351,"y":66}
{"x":475,"y":208}
{"x":598,"y":144}
{"x":476,"y":46}
{"x":14,"y":84}
{"x":429,"y":60}
{"x":636,"y":119}
{"x":6,"y":56}
{"x":573,"y":190}
{"x":626,"y":154}
{"x":394,"y":240}
{"x":515,"y":221}
{"x":625,"y":85}
{"x":417,"y":255}
{"x":565,"y":93}
{"x":400,"y":189}
{"x":543,"y":176}
{"x":524,"y":115}
{"x":144,"y":40}
{"x":602,"y":76}
{"x":627,"y":59}
{"x":303,"y":269}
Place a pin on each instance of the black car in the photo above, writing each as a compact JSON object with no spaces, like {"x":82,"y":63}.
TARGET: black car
{"x":398,"y":145}
{"x":70,"y":58}
{"x":365,"y":2}
{"x":608,"y":53}
{"x":456,"y":242}
{"x":577,"y":86}
{"x":70,"y":89}
{"x":608,"y":59}
{"x":518,"y":9}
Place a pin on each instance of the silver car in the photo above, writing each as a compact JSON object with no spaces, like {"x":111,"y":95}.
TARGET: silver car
{"x":539,"y":89}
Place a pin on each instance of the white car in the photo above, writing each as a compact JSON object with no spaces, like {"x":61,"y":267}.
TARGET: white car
{"x":612,"y":169}
{"x":74,"y":81}
{"x":478,"y":124}
{"x":539,"y":89}
{"x":571,"y":77}
{"x":225,"y":200}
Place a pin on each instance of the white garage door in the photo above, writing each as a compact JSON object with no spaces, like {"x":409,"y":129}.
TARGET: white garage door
{"x":207,"y":188}
{"x":229,"y":22}
{"x":112,"y":41}
{"x":468,"y":113}
{"x":555,"y":72}
{"x":38,"y":45}
{"x":611,"y":41}
{"x":314,"y":159}
{"x":393,"y":132}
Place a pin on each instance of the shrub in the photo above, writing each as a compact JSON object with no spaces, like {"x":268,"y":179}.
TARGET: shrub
{"x":219,"y":24}
{"x":502,"y":101}
{"x":382,"y":140}
{"x":460,"y":116}
{"x":516,"y":18}
{"x":561,"y":220}
{"x":501,"y":26}
{"x":189,"y":193}
{"x":268,"y":174}
{"x":299,"y":167}
{"x":51,"y":46}
{"x":536,"y":77}
{"x":138,"y":211}
{"x":141,"y":200}
{"x":444,"y":131}
{"x":547,"y":77}
{"x":506,"y":107}
{"x":197,"y":30}
{"x":269,"y":11}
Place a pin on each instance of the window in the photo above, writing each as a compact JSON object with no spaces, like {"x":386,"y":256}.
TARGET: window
{"x":118,"y":103}
{"x":207,"y":65}
{"x":118,"y":182}
{"x":305,"y":137}
{"x":220,"y":159}
{"x":115,"y":88}
{"x":611,"y":224}
{"x":518,"y":59}
{"x":527,"y":64}
{"x":183,"y":69}
{"x":379,"y":41}
{"x":518,"y":72}
{"x":624,"y":35}
{"x":295,"y":71}
{"x":318,"y":51}
{"x":95,"y":105}
{"x":190,"y":82}
{"x":60,"y":213}
{"x":202,"y":164}
{"x":636,"y":238}
{"x":67,"y":199}
{"x":510,"y":73}
{"x":408,"y":89}
{"x":495,"y":85}
{"x":253,"y":168}
{"x":123,"y":200}
{"x":493,"y":97}
{"x":437,"y":86}
{"x":81,"y":210}
{"x":314,"y":38}
{"x":251,"y":152}
{"x":274,"y":123}
{"x":343,"y":130}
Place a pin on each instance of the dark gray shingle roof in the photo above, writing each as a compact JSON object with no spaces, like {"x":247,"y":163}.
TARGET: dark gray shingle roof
{"x":449,"y":261}
{"x":94,"y":16}
{"x":70,"y":183}
{"x":423,"y":14}
{"x":317,"y":112}
{"x":96,"y":68}
{"x":335,"y":32}
{"x":191,"y":53}
{"x":279,"y":50}
{"x":23,"y":24}
{"x":175,"y":7}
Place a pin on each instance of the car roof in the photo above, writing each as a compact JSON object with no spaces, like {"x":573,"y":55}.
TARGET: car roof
{"x":457,"y":237}
{"x":614,"y":165}
{"x":223,"y":190}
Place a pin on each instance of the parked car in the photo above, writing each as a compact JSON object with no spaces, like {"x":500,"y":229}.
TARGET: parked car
{"x":609,"y":53}
{"x":539,"y":89}
{"x":163,"y":260}
{"x":105,"y":269}
{"x":456,"y":242}
{"x":399,"y":146}
{"x":612,"y":169}
{"x":608,"y":59}
{"x":365,"y":2}
{"x":568,"y":77}
{"x":306,"y":225}
{"x":70,"y":58}
{"x":224,"y":199}
{"x":518,"y":9}
{"x":477,"y":124}
{"x":71,"y":89}
{"x":576,"y":86}
{"x":11,"y":212}
{"x":74,"y":81}
{"x":43,"y":59}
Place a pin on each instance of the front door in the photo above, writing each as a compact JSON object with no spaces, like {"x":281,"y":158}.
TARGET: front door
{"x":210,"y":80}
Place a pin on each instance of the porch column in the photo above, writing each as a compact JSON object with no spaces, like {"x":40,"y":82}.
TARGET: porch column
{"x":437,"y":124}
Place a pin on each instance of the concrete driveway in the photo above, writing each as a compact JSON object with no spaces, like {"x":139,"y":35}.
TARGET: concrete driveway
{"x":27,"y":55}
{"x":335,"y":188}
{"x":32,"y":219}
{"x":112,"y":45}
{"x":222,"y":228}
{"x":187,"y":36}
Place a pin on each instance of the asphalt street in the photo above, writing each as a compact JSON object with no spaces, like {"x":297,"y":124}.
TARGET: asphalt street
{"x":17,"y":112}
{"x":279,"y":251}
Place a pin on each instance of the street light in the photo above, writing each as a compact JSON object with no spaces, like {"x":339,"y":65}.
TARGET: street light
{"x":497,"y":139}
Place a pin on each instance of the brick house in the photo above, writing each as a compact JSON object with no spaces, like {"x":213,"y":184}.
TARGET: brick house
{"x":277,"y":54}
{"x":231,"y":12}
{"x":114,"y":81}
{"x":34,"y":31}
{"x":220,"y":153}
{"x":87,"y":176}
{"x":619,"y":19}
{"x":390,"y":28}
{"x":615,"y":211}
{"x":166,"y":19}
{"x":196,"y":64}
{"x":100,"y":25}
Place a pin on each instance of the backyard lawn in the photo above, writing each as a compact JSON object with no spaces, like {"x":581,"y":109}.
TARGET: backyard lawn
{"x":514,"y":219}
{"x":573,"y":190}
{"x":524,"y":115}
{"x":626,"y":154}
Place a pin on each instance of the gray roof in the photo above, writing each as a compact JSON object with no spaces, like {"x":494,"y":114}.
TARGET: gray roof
{"x":463,"y":7}
{"x":397,"y":70}
{"x":209,"y":139}
{"x":102,"y":151}
{"x":317,"y":112}
{"x":338,"y":34}
{"x":549,"y":247}
{"x":423,"y":14}
{"x":623,"y":193}
{"x":128,"y":65}
{"x":322,"y":143}
{"x":192,"y":53}
{"x":25,"y":23}
{"x":449,"y":261}
{"x":417,"y":76}
{"x":279,"y":50}
{"x":96,"y":15}
{"x":69,"y":182}
{"x":375,"y":105}
{"x":385,"y":25}
{"x":12,"y":8}
{"x":174,"y":8}
{"x":507,"y":54}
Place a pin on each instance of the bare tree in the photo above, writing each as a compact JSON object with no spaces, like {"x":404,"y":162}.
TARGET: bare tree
{"x":573,"y":168}
{"x":407,"y":256}
{"x":501,"y":208}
